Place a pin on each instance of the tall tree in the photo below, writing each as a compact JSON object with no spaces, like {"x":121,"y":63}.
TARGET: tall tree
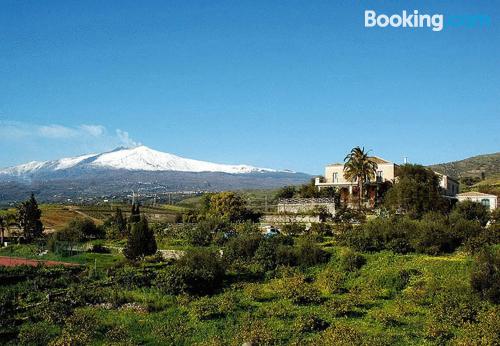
{"x":120,"y":221}
{"x":135,"y":214}
{"x":416,"y":191}
{"x":28,"y":217}
{"x":141,"y":240}
{"x":360,"y":167}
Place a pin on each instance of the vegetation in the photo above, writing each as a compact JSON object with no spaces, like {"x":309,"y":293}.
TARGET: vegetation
{"x":416,"y":192}
{"x":361,"y":168}
{"x":425,"y":276}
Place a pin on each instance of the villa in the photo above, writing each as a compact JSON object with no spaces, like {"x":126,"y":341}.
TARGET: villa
{"x":489,"y":201}
{"x":385,"y":175}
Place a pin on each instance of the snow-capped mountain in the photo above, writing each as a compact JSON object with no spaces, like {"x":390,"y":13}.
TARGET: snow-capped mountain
{"x":116,"y":173}
{"x":140,"y":158}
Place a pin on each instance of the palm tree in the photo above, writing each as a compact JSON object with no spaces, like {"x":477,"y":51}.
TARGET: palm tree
{"x":359,"y":167}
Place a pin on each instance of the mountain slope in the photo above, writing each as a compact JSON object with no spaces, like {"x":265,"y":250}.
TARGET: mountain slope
{"x":475,"y":166}
{"x":114,"y":174}
{"x":139,"y":158}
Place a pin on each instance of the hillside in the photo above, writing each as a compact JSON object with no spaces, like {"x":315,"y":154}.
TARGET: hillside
{"x":475,"y":166}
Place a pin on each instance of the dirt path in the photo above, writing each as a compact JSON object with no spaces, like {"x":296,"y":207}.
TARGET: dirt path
{"x":18,"y":261}
{"x":73,"y":208}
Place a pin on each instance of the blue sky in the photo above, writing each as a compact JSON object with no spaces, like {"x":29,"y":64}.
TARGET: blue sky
{"x":282,"y":84}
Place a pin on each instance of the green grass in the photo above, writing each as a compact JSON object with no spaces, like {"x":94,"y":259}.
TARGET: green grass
{"x":102,"y":261}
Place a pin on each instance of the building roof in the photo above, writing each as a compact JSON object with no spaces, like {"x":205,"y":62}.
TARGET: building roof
{"x":377,"y":159}
{"x":474,"y":194}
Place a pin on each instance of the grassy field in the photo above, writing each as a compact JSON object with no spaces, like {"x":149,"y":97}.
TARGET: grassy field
{"x":391,"y":300}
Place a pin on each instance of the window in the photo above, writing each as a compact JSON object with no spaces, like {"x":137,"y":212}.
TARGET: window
{"x":335,"y":177}
{"x":379,"y":176}
{"x":485,"y":202}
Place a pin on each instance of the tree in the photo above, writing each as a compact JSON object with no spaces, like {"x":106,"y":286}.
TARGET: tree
{"x":120,"y":221}
{"x":472,"y":211}
{"x":359,"y":167}
{"x":28,"y":217}
{"x":286,"y":192}
{"x":416,"y":191}
{"x":230,"y":207}
{"x":141,"y":240}
{"x":485,"y":275}
{"x":135,"y":214}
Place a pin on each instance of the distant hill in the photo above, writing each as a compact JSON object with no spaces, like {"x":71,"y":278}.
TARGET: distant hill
{"x":149,"y":172}
{"x":476,"y":166}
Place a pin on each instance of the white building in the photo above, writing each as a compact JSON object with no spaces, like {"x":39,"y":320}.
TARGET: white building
{"x":490,"y":201}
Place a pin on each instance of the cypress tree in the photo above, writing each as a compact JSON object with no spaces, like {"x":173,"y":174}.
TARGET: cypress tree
{"x":141,"y":240}
{"x":120,"y":221}
{"x":28,"y":217}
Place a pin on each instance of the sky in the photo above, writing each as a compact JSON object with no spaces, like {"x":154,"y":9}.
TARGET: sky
{"x":280,"y":84}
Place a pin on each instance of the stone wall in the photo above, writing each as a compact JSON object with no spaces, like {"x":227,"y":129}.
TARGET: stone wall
{"x":305,"y":205}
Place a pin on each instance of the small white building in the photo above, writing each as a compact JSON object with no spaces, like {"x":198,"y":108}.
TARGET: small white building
{"x":490,"y":201}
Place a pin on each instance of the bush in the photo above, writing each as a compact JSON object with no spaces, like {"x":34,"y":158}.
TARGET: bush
{"x":331,"y":280}
{"x":309,"y":323}
{"x":321,"y":229}
{"x":204,"y":308}
{"x":342,"y":335}
{"x":485,"y":275}
{"x":38,"y":333}
{"x":293,"y":229}
{"x":472,"y":211}
{"x":204,"y":232}
{"x":486,"y":237}
{"x":242,"y":247}
{"x":352,"y":261}
{"x":198,"y":272}
{"x":434,"y":238}
{"x":299,"y":291}
{"x":484,"y":332}
{"x":131,"y":277}
{"x":99,"y":248}
{"x":310,"y":254}
{"x":85,"y":228}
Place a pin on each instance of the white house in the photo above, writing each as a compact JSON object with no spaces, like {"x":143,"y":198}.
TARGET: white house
{"x":490,"y":201}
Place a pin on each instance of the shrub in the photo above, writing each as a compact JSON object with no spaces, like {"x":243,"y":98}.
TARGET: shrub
{"x":485,"y":275}
{"x":293,"y":228}
{"x":341,"y":335}
{"x":256,"y":332}
{"x":309,"y":323}
{"x":455,"y":306}
{"x":309,"y":253}
{"x":433,"y":238}
{"x":131,"y":277}
{"x":85,"y":228}
{"x":352,"y":261}
{"x":341,"y":307}
{"x":242,"y":247}
{"x":198,"y":272}
{"x":472,"y":211}
{"x":484,"y":332}
{"x":486,"y":237}
{"x":38,"y":333}
{"x":204,"y":232}
{"x":331,"y":280}
{"x":299,"y":291}
{"x":321,"y":229}
{"x":204,"y":308}
{"x":99,"y":248}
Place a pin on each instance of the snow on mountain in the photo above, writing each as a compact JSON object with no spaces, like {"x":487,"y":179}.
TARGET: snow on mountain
{"x":140,"y":158}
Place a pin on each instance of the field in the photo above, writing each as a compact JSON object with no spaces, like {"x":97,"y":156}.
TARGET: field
{"x":391,"y":300}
